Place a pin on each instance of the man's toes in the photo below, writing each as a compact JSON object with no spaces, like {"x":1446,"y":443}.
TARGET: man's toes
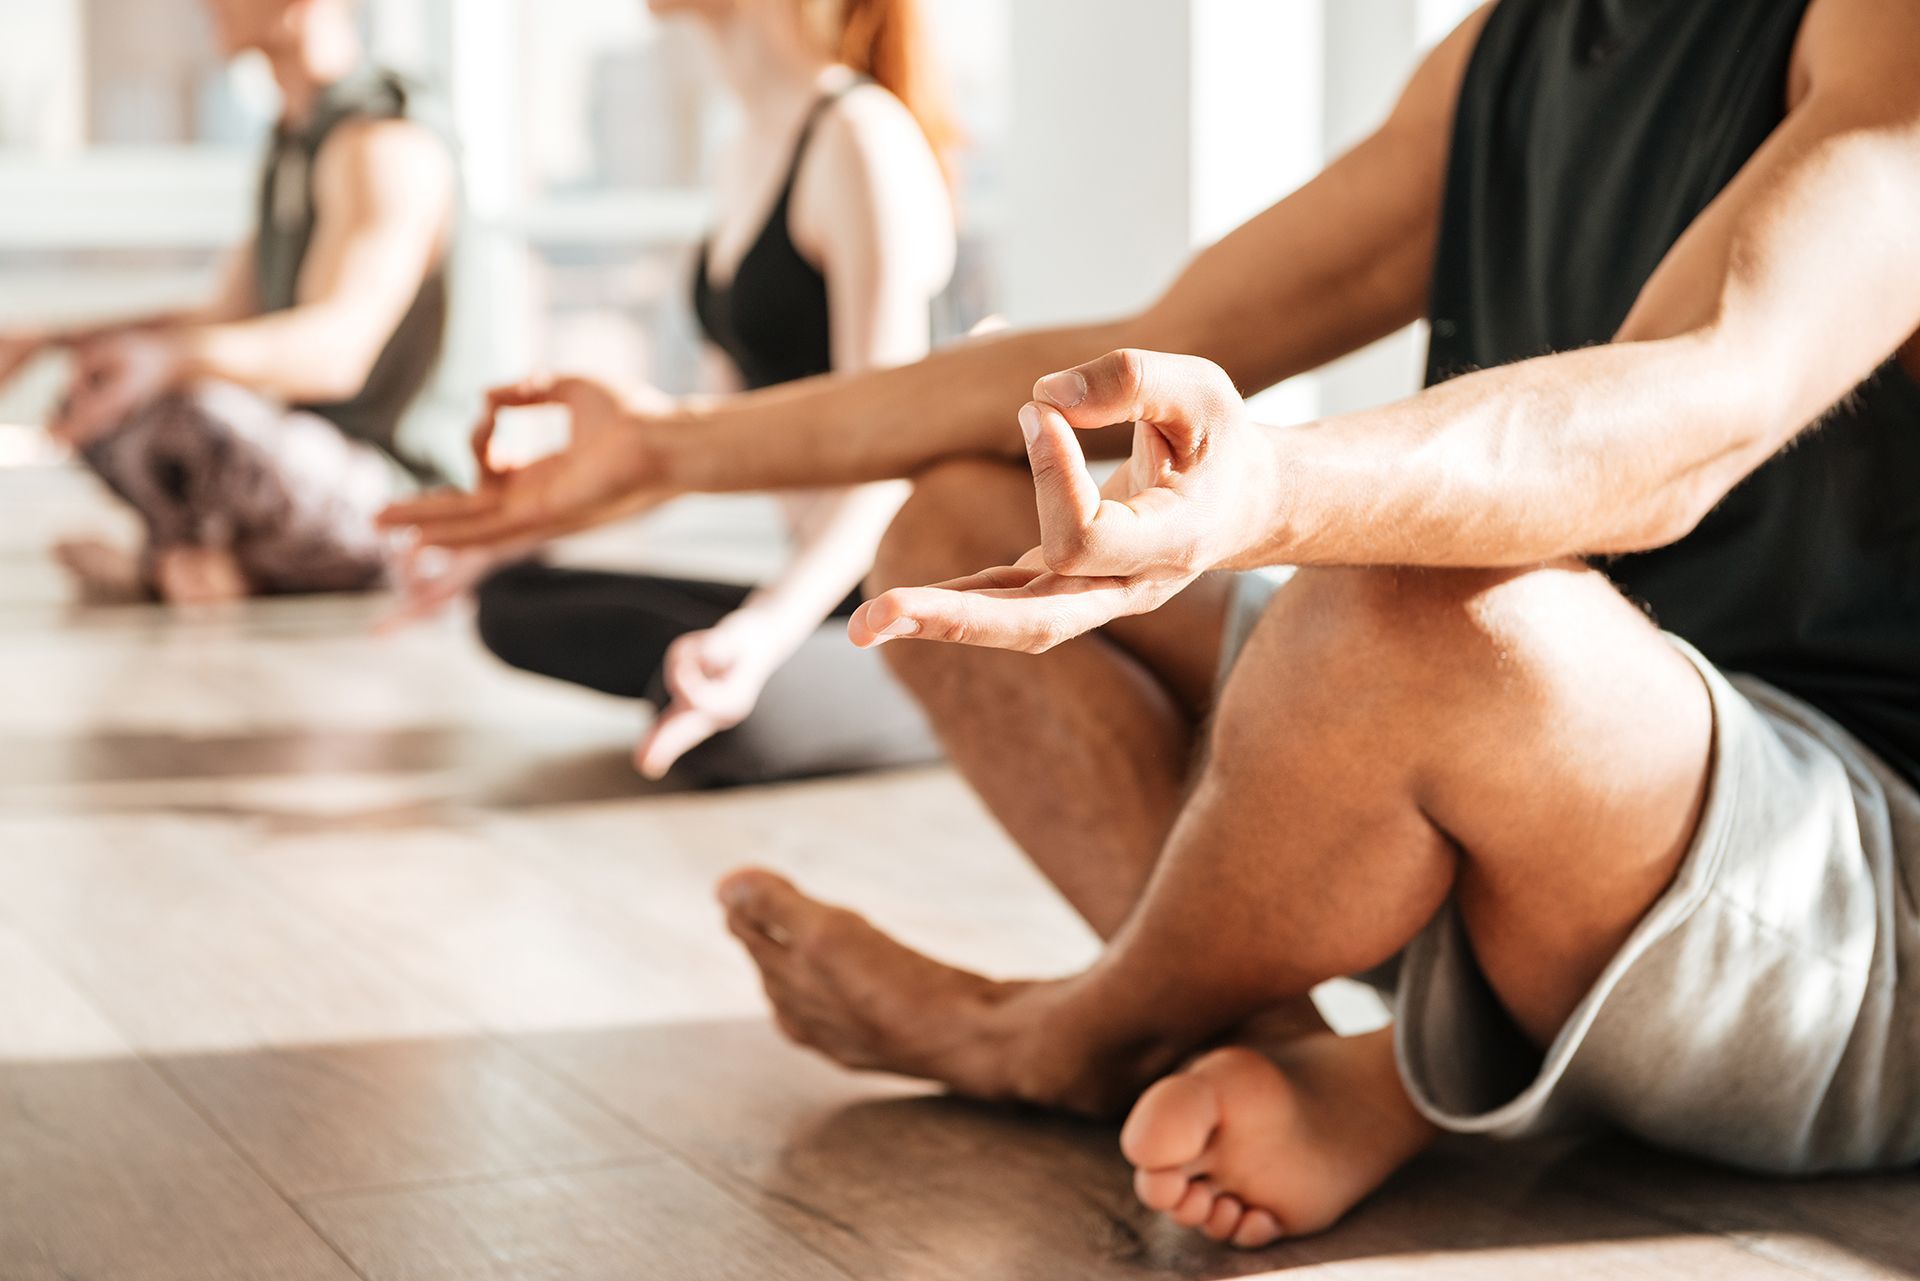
{"x":790,"y":1028}
{"x":766,"y":904}
{"x":1257,"y":1228}
{"x":1225,"y":1218}
{"x":1172,"y":1123}
{"x":1195,"y":1207}
{"x":774,"y":962}
{"x":1160,"y":1189}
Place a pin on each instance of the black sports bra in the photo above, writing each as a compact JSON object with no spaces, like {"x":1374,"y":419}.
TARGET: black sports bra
{"x":771,"y":318}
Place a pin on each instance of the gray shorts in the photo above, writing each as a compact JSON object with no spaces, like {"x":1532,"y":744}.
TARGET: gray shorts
{"x":1766,"y":1010}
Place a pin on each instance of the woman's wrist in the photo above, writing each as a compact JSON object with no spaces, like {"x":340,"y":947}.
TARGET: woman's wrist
{"x":783,"y":622}
{"x":669,"y":450}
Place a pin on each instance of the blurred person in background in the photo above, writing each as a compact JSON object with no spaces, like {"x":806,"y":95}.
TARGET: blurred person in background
{"x":833,"y":236}
{"x":255,"y":436}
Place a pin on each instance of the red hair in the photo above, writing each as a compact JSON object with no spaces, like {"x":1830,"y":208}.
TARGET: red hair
{"x":887,"y":40}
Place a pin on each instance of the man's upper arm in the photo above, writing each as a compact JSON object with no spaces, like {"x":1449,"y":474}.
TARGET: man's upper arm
{"x":1355,"y":243}
{"x":1803,"y":275}
{"x":384,"y":194}
{"x":234,"y":298}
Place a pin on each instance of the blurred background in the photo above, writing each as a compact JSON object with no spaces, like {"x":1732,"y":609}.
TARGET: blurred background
{"x":1108,"y":137}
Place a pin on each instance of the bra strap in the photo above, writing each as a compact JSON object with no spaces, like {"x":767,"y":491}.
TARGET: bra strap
{"x":807,"y":126}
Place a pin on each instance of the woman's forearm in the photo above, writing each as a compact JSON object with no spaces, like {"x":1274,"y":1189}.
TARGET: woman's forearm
{"x":833,"y":555}
{"x":881,"y":424}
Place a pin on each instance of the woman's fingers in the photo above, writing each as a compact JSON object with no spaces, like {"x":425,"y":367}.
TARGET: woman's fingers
{"x":528,"y":391}
{"x":483,"y":528}
{"x":481,"y":443}
{"x":436,"y":505}
{"x":675,"y":732}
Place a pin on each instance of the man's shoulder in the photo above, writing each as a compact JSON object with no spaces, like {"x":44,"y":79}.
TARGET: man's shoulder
{"x":1864,"y":48}
{"x":370,"y":155}
{"x":386,"y":111}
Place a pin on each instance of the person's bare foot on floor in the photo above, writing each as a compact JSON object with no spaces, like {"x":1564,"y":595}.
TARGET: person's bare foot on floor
{"x":1248,"y":1148}
{"x":842,"y":987}
{"x":102,"y":573}
{"x":198,"y":576}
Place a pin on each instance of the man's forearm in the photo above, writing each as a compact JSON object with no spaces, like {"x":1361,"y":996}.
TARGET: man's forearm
{"x":1609,"y":449}
{"x":303,"y":354}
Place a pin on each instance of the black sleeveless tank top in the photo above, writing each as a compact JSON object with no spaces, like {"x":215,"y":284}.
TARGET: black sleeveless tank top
{"x":284,"y":231}
{"x":771,"y":318}
{"x":1588,"y":135}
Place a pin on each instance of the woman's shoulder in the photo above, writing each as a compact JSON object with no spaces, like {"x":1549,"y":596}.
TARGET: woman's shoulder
{"x":869,"y":169}
{"x":864,"y":122}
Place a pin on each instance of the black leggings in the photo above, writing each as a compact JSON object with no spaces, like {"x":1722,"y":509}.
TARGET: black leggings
{"x":831,"y":708}
{"x":608,"y":631}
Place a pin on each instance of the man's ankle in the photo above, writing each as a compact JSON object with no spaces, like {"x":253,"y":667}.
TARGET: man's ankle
{"x":1056,"y":1057}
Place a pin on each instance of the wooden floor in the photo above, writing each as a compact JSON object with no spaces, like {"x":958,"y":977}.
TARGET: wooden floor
{"x":324,"y":957}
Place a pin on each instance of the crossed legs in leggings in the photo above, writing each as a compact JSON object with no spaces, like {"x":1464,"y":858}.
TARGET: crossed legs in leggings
{"x":829,"y":709}
{"x":1525,"y":743}
{"x":606,"y":630}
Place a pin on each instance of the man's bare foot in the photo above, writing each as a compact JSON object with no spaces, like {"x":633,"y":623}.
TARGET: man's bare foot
{"x":198,"y":576}
{"x":1248,"y":1147}
{"x":102,"y":573}
{"x":842,"y":987}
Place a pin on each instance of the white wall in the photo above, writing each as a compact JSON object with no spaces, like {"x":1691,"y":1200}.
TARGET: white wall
{"x":1146,"y":128}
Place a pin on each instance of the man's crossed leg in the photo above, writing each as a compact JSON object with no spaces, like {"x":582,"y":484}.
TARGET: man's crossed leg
{"x":1524,"y":746}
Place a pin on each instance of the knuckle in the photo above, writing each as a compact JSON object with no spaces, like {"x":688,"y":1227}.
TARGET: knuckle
{"x":1055,"y":629}
{"x":1221,"y":397}
{"x":1129,"y":371}
{"x":1047,"y":472}
{"x":1210,"y":373}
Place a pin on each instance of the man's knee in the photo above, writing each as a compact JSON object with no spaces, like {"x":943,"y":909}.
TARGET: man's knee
{"x":1399,"y":647}
{"x":1433,"y":623}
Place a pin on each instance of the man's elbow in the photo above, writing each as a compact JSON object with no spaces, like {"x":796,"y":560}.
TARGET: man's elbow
{"x":1665,"y":520}
{"x":1675,"y":509}
{"x":340,"y":370}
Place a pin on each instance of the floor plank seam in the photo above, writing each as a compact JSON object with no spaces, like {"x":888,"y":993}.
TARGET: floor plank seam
{"x":246,"y":1158}
{"x":441,"y":1183}
{"x":694,"y":1165}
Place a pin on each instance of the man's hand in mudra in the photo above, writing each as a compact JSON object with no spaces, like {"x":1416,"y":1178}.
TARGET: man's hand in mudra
{"x":1198,"y":490}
